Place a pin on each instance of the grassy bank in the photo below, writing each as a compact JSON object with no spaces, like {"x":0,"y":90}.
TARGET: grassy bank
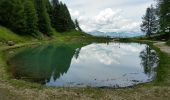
{"x":163,"y":70}
{"x":8,"y":35}
{"x":70,"y":36}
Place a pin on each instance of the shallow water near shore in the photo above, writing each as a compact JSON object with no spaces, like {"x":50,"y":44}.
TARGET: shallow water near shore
{"x":79,"y":65}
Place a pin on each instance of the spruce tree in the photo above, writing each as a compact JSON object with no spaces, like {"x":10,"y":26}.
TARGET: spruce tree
{"x":70,"y":22}
{"x":49,"y":7}
{"x":61,"y":18}
{"x":30,"y":17}
{"x":55,"y":2}
{"x":44,"y":23}
{"x":164,"y":14}
{"x":12,"y":15}
{"x":55,"y":15}
{"x":149,"y":23}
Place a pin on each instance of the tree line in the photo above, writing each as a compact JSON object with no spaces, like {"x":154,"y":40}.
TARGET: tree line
{"x":35,"y":17}
{"x":157,"y":19}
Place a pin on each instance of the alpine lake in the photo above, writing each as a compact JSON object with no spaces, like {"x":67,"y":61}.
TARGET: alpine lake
{"x":111,"y":64}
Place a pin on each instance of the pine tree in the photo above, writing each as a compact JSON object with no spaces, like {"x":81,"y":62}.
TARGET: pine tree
{"x":61,"y":18}
{"x":30,"y":17}
{"x":149,"y":23}
{"x":55,"y":13}
{"x":49,"y":7}
{"x":164,"y":14}
{"x":70,"y":22}
{"x":44,"y":23}
{"x":12,"y":15}
{"x":55,"y":3}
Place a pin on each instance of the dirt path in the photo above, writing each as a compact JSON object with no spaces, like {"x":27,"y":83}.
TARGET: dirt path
{"x":163,"y":47}
{"x":5,"y":94}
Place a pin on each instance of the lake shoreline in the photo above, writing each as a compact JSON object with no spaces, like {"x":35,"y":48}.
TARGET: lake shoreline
{"x":25,"y":89}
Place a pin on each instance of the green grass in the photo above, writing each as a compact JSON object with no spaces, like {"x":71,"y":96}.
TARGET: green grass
{"x":168,"y":42}
{"x":127,"y":40}
{"x":74,"y":33}
{"x":71,"y":33}
{"x":7,"y":35}
{"x":163,"y":69}
{"x":76,"y":36}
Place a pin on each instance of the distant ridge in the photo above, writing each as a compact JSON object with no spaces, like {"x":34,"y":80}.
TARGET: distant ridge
{"x":117,"y":34}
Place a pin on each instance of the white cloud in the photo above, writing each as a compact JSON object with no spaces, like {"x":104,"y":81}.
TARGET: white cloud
{"x":107,"y":20}
{"x":74,"y":14}
{"x":121,"y":15}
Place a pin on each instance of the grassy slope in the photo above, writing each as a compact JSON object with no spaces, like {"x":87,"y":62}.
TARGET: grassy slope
{"x":163,"y":71}
{"x":7,"y":35}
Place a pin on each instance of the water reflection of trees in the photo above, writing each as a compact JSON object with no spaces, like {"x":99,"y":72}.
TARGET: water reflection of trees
{"x":149,"y":60}
{"x":41,"y":63}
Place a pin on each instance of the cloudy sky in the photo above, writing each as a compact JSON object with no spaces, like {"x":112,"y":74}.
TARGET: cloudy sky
{"x":108,"y":15}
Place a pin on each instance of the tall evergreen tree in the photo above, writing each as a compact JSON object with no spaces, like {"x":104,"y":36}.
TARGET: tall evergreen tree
{"x":61,"y":18}
{"x":164,"y":14}
{"x":31,"y":17}
{"x":70,"y":22}
{"x":149,"y":23}
{"x":12,"y":15}
{"x":44,"y":23}
{"x":34,"y":16}
{"x":55,"y":2}
{"x":55,"y":13}
{"x":49,"y":7}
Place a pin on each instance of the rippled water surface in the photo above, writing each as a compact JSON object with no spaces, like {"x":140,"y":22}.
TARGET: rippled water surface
{"x":79,"y":65}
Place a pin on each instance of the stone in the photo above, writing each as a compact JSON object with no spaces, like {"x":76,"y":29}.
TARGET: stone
{"x":11,"y":43}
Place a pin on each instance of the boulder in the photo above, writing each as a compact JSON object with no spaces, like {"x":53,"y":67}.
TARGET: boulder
{"x":11,"y":43}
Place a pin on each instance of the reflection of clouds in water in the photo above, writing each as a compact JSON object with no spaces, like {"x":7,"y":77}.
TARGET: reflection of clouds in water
{"x":107,"y":54}
{"x":100,"y":65}
{"x":131,"y":48}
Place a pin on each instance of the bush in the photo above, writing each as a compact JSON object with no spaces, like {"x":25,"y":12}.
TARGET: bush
{"x":168,"y":42}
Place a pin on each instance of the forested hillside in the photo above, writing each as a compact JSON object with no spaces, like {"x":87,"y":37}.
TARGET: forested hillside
{"x":35,"y":17}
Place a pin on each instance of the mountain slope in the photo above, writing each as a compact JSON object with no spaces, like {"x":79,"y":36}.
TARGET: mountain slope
{"x":7,"y":35}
